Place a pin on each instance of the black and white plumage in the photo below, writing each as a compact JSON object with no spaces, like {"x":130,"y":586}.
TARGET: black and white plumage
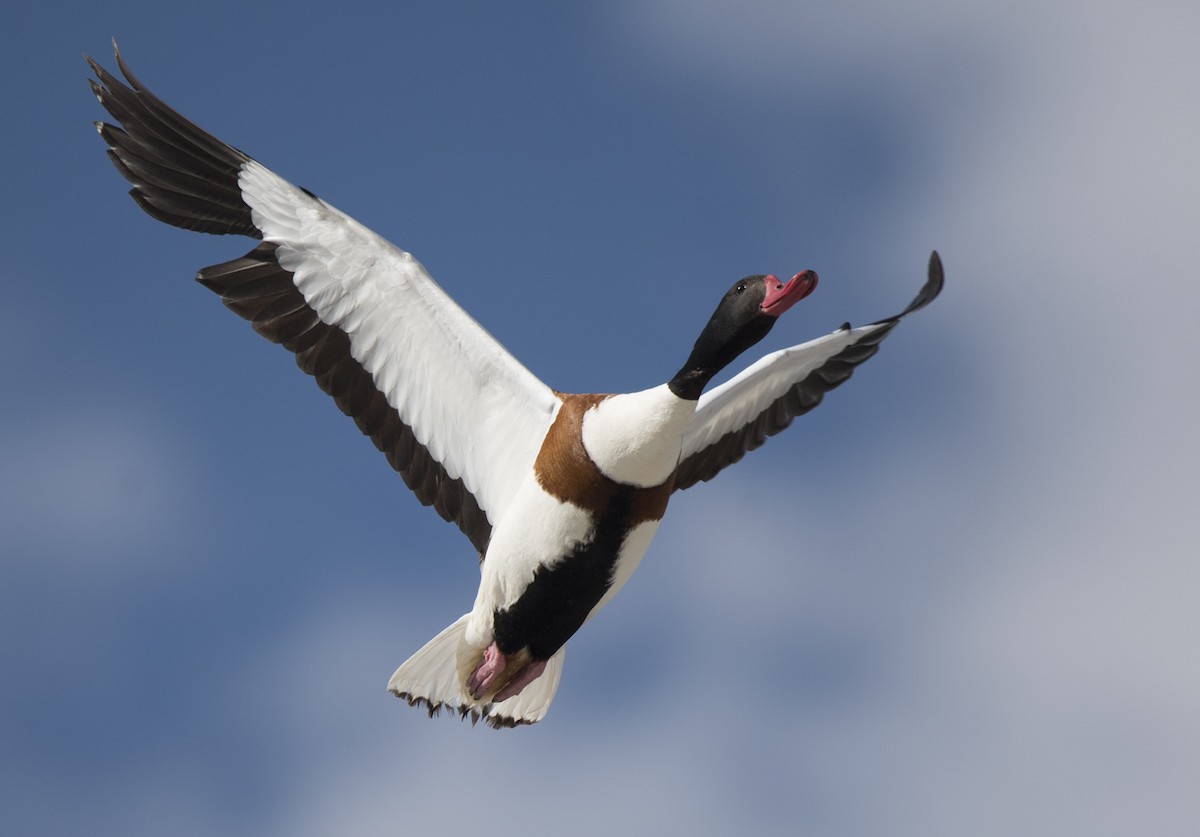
{"x":559,"y":494}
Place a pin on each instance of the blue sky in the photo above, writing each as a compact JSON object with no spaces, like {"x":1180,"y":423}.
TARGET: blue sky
{"x":957,"y":598}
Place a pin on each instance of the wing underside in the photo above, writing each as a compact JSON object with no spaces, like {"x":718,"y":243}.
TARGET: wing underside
{"x":456,"y":415}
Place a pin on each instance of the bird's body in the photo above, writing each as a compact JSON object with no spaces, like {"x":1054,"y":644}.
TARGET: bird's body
{"x":560,"y":494}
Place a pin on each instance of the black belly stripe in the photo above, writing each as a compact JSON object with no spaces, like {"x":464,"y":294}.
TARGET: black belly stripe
{"x":560,"y":597}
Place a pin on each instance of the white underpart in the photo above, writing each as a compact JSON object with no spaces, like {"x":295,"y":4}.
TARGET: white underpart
{"x":537,"y":531}
{"x":635,"y":438}
{"x":510,"y":566}
{"x":477,"y":411}
{"x":635,"y":546}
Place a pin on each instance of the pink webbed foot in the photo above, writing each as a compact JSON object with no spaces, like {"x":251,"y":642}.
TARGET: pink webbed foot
{"x":485,"y":674}
{"x":495,"y":668}
{"x":521,"y":679}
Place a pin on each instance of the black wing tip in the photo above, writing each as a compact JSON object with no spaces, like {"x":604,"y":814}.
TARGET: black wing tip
{"x":104,"y":74}
{"x":116,"y":54}
{"x":182,"y":175}
{"x":935,"y":279}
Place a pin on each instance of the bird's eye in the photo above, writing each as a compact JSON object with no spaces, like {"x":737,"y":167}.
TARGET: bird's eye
{"x":741,"y":286}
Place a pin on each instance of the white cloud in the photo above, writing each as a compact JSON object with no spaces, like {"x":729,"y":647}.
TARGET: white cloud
{"x":746,"y":43}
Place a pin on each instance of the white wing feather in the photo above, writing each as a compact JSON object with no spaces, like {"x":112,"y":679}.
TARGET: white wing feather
{"x":470,"y":403}
{"x":741,"y":400}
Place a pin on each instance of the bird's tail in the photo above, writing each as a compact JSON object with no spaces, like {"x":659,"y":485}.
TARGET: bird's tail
{"x":435,"y":676}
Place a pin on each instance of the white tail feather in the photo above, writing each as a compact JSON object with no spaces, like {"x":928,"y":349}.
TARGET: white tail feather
{"x":531,"y":705}
{"x":434,"y":677}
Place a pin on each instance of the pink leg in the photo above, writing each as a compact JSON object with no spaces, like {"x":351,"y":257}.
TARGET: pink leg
{"x":486,"y":672}
{"x":523,"y":678}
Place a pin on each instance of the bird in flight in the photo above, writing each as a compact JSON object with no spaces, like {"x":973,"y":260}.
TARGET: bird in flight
{"x":559,"y":493}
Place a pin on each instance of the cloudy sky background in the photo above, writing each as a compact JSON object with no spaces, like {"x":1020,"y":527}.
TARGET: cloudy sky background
{"x":959,"y":598}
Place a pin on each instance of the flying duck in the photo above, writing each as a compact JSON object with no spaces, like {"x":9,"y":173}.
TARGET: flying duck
{"x":558,"y":493}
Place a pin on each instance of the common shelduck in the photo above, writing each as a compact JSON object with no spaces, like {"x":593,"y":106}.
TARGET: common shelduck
{"x":560,"y":494}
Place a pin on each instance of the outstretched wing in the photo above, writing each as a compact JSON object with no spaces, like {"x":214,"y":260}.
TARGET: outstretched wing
{"x":454,"y":412}
{"x":739,"y":415}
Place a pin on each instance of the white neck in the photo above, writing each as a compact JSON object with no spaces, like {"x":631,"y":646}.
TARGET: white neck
{"x":636,"y":438}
